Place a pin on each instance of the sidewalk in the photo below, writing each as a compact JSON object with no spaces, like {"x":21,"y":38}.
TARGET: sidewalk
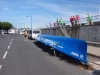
{"x":95,"y":44}
{"x":93,"y":51}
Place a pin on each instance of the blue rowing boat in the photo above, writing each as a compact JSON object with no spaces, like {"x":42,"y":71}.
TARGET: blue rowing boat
{"x":73,"y":47}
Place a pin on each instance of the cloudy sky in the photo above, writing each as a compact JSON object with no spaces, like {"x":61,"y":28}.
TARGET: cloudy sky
{"x":44,"y":11}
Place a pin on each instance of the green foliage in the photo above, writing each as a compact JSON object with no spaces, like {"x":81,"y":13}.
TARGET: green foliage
{"x":0,"y":25}
{"x":5,"y":25}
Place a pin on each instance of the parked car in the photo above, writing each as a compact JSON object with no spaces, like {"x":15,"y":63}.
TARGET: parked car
{"x":2,"y":32}
{"x":36,"y":33}
{"x":11,"y":31}
{"x":33,"y":34}
{"x":21,"y":32}
{"x":29,"y":34}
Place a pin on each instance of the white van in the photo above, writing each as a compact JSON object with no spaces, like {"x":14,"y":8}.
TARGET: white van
{"x":32,"y":34}
{"x":35,"y":33}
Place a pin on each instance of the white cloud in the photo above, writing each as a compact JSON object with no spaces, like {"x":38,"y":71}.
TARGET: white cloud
{"x":95,"y":0}
{"x":53,"y":7}
{"x":64,"y":11}
{"x":29,"y":7}
{"x":37,"y":21}
{"x":40,"y":20}
{"x":3,"y":2}
{"x":5,"y":8}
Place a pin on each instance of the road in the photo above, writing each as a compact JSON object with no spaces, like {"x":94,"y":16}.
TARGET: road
{"x":18,"y":57}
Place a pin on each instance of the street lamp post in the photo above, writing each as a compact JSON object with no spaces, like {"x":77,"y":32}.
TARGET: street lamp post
{"x":31,"y":20}
{"x":31,"y":24}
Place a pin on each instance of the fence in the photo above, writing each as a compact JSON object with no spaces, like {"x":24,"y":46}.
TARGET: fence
{"x":82,"y":21}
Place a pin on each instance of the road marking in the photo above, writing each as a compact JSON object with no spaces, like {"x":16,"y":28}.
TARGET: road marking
{"x":8,"y":47}
{"x":5,"y":55}
{"x":11,"y":41}
{"x":0,"y":67}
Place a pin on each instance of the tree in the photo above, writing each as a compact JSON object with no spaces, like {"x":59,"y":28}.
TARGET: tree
{"x":1,"y":25}
{"x":6,"y":26}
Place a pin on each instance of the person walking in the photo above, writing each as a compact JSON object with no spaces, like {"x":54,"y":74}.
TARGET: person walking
{"x":64,"y":23}
{"x":57,"y":22}
{"x":89,"y":19}
{"x":74,"y":21}
{"x":71,"y":20}
{"x":54,"y":24}
{"x":25,"y":35}
{"x":60,"y":22}
{"x":50,"y":24}
{"x":77,"y":20}
{"x":2,"y":32}
{"x":46,"y":25}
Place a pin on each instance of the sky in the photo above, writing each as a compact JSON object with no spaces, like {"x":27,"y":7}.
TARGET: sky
{"x":44,"y":11}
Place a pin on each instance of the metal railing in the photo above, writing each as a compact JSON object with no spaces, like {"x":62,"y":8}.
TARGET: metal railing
{"x":82,"y":21}
{"x":85,"y":22}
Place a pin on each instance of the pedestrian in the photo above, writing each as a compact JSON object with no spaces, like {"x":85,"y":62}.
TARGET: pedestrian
{"x":50,"y":24}
{"x":57,"y":22}
{"x":89,"y":19}
{"x":2,"y":32}
{"x":71,"y":20}
{"x":54,"y":24}
{"x":64,"y":22}
{"x":46,"y":25}
{"x":60,"y":22}
{"x":74,"y":21}
{"x":25,"y":35}
{"x":77,"y":20}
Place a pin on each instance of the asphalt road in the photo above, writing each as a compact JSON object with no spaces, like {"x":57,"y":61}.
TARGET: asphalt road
{"x":18,"y":57}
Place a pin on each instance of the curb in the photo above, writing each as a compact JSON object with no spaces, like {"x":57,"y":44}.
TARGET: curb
{"x":96,"y":68}
{"x":95,"y":44}
{"x":95,"y":65}
{"x":94,"y":55}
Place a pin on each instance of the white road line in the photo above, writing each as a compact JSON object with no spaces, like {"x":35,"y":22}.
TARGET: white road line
{"x":11,"y":41}
{"x":5,"y":55}
{"x":8,"y":47}
{"x":0,"y":67}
